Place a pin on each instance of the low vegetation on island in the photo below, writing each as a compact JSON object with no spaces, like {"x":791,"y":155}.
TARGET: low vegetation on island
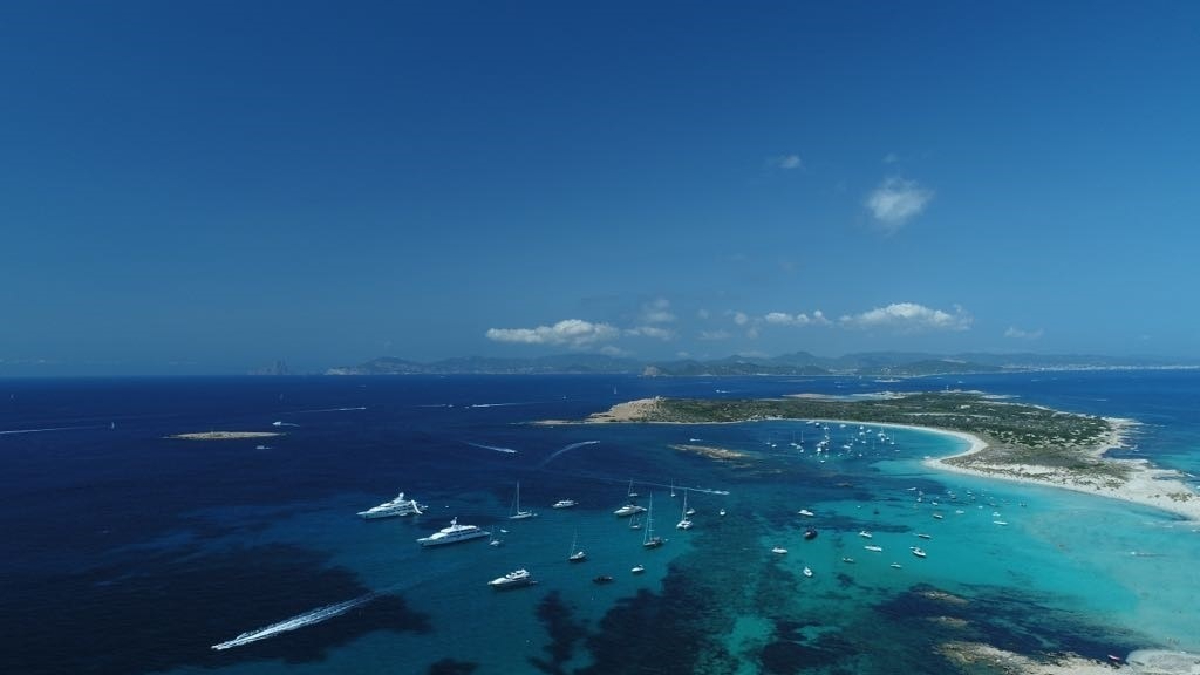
{"x":1016,"y":434}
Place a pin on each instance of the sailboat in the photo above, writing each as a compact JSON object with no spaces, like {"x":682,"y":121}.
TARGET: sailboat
{"x":651,"y":541}
{"x":632,"y":494}
{"x":576,"y":555}
{"x":684,"y":523}
{"x":517,"y":513}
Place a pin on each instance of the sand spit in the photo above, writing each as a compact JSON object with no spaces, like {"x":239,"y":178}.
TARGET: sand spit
{"x":225,"y":435}
{"x":1145,"y":485}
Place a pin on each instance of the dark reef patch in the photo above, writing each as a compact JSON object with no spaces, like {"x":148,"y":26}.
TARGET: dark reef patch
{"x":452,"y":667}
{"x":564,"y":632}
{"x":103,"y":611}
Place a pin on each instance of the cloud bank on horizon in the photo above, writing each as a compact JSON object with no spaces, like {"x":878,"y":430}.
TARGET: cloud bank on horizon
{"x":897,"y":318}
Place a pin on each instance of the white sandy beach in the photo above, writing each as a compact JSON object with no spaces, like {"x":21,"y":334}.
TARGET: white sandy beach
{"x":1146,"y":485}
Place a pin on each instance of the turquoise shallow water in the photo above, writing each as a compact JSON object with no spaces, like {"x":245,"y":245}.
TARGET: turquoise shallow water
{"x":240,"y":538}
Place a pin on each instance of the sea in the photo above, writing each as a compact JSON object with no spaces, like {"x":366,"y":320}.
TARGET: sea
{"x":127,"y":551}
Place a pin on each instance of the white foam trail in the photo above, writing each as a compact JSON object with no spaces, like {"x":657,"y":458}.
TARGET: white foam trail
{"x":493,"y":405}
{"x":34,"y":431}
{"x":492,"y":447}
{"x":304,"y":412}
{"x":299,"y":621}
{"x":564,"y":449}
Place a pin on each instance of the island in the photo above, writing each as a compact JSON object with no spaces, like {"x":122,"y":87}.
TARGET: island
{"x":225,"y":435}
{"x":1007,"y":439}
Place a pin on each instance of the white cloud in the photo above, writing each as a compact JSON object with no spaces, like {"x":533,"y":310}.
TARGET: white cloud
{"x":786,"y":162}
{"x":890,"y":158}
{"x":1014,"y":332}
{"x":800,"y":319}
{"x":713,"y":335}
{"x":740,"y":318}
{"x":651,"y":331}
{"x":896,"y":201}
{"x":703,"y":314}
{"x":907,"y":316}
{"x":657,"y":311}
{"x":610,"y":350}
{"x":573,"y":332}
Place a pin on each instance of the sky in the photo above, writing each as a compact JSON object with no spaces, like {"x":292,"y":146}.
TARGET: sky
{"x":211,"y":186}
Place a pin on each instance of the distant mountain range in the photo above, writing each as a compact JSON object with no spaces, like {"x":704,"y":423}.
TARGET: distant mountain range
{"x":875,"y":364}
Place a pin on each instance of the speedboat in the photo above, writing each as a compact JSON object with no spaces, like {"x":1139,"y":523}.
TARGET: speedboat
{"x":638,"y":569}
{"x":876,"y":549}
{"x":779,"y":549}
{"x":896,"y":565}
{"x":453,"y":534}
{"x":397,"y":507}
{"x":938,"y":516}
{"x":922,"y":535}
{"x":515,"y":579}
{"x":808,"y":571}
{"x":848,"y":560}
{"x":805,"y":512}
{"x":629,"y":510}
{"x":563,"y":504}
{"x":916,"y":550}
{"x":865,"y":535}
{"x":810,"y":533}
{"x":1000,"y":522}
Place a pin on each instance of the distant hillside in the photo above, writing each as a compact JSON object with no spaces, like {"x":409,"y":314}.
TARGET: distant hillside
{"x":874,"y":364}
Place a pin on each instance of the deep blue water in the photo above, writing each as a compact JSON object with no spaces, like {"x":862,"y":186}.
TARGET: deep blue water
{"x":130,"y":552}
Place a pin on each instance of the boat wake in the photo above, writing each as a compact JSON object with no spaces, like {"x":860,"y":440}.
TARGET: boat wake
{"x":564,"y":449}
{"x":299,"y":621}
{"x":493,"y":405}
{"x":5,"y":432}
{"x":319,"y":410}
{"x":492,"y":447}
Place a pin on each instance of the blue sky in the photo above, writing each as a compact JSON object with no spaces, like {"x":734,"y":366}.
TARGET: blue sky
{"x":206,"y":187}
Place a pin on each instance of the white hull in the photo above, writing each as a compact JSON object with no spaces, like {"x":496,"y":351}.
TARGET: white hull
{"x":454,"y":539}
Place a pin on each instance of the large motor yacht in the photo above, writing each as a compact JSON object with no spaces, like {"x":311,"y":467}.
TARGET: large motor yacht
{"x":453,"y":534}
{"x":397,"y":507}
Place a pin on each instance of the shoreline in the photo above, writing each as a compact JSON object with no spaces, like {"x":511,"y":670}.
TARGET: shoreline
{"x":1145,"y":485}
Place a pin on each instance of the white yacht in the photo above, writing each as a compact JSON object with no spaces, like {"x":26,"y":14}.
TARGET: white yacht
{"x":453,"y":534}
{"x":575,"y":554}
{"x":651,"y":541}
{"x":918,"y":552}
{"x":517,"y":513}
{"x":876,"y":549}
{"x":865,"y":535}
{"x":629,"y":510}
{"x":779,"y":549}
{"x":808,"y":571}
{"x":806,"y":512}
{"x":684,"y":523}
{"x":638,"y":569}
{"x":520,"y":577}
{"x":563,"y":504}
{"x":397,"y":507}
